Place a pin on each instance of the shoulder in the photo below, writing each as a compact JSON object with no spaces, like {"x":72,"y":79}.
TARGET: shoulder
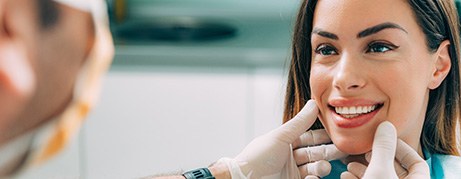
{"x":445,"y":166}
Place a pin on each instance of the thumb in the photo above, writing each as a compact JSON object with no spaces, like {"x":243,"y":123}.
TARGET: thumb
{"x":292,"y":129}
{"x":384,"y":146}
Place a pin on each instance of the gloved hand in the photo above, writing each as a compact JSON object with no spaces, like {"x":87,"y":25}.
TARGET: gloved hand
{"x":312,"y":158}
{"x":386,"y":147}
{"x":271,"y":153}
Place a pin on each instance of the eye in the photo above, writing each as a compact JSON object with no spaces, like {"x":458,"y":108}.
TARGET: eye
{"x":380,"y":47}
{"x":326,"y":50}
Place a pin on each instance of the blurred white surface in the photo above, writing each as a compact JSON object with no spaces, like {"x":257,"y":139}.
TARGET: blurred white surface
{"x":163,"y":119}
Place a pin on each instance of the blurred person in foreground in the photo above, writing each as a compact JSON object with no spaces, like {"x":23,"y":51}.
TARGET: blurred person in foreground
{"x":53,"y":54}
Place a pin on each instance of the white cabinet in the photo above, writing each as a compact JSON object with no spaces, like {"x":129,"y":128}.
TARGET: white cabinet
{"x":162,"y":119}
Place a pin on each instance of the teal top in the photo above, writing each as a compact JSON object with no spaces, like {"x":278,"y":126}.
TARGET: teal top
{"x":441,"y":166}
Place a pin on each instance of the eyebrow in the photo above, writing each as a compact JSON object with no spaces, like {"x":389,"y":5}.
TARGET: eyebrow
{"x":368,"y":31}
{"x":377,"y":28}
{"x":326,"y":34}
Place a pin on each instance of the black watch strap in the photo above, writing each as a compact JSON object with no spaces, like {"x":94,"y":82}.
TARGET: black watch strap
{"x":201,"y":173}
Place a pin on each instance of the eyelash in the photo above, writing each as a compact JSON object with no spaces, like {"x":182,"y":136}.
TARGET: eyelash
{"x":371,"y":48}
{"x":380,"y":45}
{"x":320,"y":49}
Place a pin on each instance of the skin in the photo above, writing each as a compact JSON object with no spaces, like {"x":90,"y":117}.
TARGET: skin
{"x":38,"y":67}
{"x":391,"y":67}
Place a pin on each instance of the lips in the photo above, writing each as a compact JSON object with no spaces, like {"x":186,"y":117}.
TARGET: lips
{"x":353,"y":113}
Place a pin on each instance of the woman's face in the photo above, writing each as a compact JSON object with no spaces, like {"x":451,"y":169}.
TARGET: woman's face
{"x":370,"y":64}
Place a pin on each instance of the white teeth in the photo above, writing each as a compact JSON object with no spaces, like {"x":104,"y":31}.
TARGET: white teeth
{"x":355,"y":110}
{"x":360,"y":109}
{"x":350,"y":115}
{"x":352,"y":110}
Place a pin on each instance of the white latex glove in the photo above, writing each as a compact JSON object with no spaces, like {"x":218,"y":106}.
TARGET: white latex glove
{"x":271,"y":153}
{"x":312,"y":156}
{"x":386,"y":148}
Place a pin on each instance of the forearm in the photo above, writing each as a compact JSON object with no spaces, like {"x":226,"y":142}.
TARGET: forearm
{"x":170,"y":177}
{"x":218,"y":170}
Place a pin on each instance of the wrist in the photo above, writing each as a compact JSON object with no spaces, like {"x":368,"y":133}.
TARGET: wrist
{"x":170,"y":177}
{"x":220,"y":170}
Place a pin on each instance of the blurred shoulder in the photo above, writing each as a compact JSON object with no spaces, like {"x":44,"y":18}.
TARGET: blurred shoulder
{"x":445,"y":166}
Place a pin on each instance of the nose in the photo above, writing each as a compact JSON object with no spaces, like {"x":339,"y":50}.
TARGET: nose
{"x":350,"y":74}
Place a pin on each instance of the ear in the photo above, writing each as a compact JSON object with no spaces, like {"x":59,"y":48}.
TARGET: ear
{"x":442,"y":65}
{"x":17,"y":80}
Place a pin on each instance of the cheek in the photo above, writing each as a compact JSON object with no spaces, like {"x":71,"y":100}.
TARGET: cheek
{"x":319,"y":82}
{"x":407,"y":103}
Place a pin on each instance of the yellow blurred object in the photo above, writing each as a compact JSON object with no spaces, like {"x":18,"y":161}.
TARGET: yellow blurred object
{"x":120,"y":10}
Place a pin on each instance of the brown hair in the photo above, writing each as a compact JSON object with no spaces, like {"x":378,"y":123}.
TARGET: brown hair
{"x":438,"y":19}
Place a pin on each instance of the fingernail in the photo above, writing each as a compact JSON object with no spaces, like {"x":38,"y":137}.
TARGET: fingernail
{"x":311,"y":103}
{"x":368,"y":156}
{"x":387,"y":123}
{"x":387,"y":126}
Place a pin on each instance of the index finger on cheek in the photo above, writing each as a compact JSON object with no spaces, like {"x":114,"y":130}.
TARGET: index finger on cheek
{"x":300,"y":123}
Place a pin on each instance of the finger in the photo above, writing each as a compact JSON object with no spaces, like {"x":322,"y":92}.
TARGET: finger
{"x":311,"y":177}
{"x":312,"y":137}
{"x":316,"y":153}
{"x":357,"y":169}
{"x":406,"y":155}
{"x":348,"y":175}
{"x":299,"y":124}
{"x":410,"y":160}
{"x":401,"y":172}
{"x":384,"y":146}
{"x":320,"y":168}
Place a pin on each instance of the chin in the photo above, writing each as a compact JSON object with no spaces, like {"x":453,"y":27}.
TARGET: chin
{"x":353,"y":145}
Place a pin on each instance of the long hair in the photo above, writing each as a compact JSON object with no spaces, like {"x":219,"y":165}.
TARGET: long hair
{"x":438,"y":19}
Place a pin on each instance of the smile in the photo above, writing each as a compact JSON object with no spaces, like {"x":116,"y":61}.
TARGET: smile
{"x":354,"y":111}
{"x":354,"y":115}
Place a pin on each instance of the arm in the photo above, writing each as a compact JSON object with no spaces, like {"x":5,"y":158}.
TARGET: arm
{"x":218,"y":170}
{"x":270,"y":153}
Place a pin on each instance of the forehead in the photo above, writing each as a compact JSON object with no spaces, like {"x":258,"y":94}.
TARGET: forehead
{"x":352,"y":16}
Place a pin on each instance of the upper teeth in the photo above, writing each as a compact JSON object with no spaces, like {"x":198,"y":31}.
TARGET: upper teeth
{"x":355,"y":109}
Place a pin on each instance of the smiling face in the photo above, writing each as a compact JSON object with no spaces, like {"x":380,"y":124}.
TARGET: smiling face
{"x":370,"y":63}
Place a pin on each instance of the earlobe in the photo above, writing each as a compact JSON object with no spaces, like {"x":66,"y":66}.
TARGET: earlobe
{"x":442,"y":65}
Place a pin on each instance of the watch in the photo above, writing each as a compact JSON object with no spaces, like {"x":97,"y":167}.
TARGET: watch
{"x":201,"y":173}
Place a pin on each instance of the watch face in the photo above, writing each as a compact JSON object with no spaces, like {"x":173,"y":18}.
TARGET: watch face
{"x":201,"y":173}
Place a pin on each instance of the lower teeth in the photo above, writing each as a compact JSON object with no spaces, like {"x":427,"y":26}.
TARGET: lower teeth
{"x":354,"y":115}
{"x":350,"y":115}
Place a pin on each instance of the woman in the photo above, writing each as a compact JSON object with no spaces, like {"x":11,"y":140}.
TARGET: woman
{"x":365,"y":62}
